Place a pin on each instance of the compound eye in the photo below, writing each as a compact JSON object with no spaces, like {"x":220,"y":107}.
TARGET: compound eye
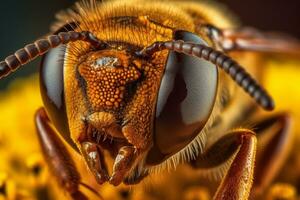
{"x":185,"y":101}
{"x":52,"y":87}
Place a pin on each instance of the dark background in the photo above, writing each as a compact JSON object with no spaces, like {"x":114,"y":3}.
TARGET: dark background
{"x":23,"y":21}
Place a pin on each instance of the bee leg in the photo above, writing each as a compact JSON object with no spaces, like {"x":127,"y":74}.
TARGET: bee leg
{"x":123,"y":163}
{"x":274,"y":138}
{"x":95,"y":161}
{"x":57,"y":157}
{"x":250,"y":39}
{"x":237,"y":182}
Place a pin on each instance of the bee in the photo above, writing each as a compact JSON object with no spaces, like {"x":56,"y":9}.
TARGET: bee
{"x":152,"y":85}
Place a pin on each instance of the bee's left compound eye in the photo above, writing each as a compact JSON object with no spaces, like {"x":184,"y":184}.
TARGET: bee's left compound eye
{"x":185,"y":100}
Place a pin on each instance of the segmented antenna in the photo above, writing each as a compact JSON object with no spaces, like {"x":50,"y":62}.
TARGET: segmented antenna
{"x":231,"y":67}
{"x":42,"y":46}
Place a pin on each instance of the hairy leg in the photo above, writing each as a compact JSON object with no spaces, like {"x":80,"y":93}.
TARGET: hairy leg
{"x":238,"y":180}
{"x":57,"y":156}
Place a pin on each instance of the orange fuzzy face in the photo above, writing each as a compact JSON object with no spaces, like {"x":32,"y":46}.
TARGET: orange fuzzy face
{"x":112,"y":87}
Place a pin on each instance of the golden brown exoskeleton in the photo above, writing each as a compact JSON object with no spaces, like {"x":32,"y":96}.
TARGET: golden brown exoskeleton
{"x":155,"y":84}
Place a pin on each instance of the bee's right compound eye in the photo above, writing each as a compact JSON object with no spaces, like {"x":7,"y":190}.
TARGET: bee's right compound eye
{"x":185,"y":101}
{"x":52,"y":87}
